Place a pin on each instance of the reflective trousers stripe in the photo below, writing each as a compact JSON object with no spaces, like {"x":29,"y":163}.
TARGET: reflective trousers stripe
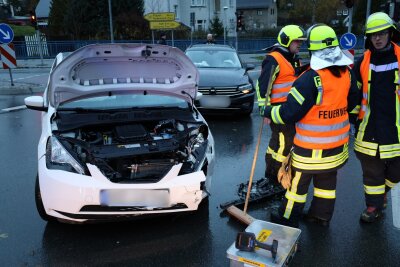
{"x":293,"y":188}
{"x":389,"y":183}
{"x":295,"y":197}
{"x":321,"y":193}
{"x":276,"y":156}
{"x":374,"y":190}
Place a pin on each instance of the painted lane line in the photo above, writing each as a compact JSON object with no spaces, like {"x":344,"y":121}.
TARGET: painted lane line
{"x":13,"y":108}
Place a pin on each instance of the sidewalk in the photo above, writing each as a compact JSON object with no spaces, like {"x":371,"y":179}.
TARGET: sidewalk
{"x":21,"y":87}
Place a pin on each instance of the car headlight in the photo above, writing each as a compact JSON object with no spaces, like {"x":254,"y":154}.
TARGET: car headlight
{"x":57,"y":157}
{"x":246,"y":88}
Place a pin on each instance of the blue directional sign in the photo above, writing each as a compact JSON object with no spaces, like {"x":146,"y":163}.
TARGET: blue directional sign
{"x":6,"y":34}
{"x":348,"y":40}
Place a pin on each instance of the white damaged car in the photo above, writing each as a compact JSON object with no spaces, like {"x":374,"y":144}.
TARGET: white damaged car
{"x":121,"y":136}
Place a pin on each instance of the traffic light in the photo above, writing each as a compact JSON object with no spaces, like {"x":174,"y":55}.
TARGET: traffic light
{"x":239,"y":22}
{"x":349,"y":3}
{"x":33,"y":19}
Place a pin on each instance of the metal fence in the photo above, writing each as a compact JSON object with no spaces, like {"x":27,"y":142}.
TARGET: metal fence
{"x":29,"y":49}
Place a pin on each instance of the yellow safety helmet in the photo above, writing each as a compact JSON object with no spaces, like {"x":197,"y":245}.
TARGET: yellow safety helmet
{"x":320,"y":36}
{"x":377,"y":22}
{"x":290,"y":33}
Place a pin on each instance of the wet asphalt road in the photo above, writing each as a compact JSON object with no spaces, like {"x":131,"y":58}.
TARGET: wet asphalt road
{"x":199,"y":239}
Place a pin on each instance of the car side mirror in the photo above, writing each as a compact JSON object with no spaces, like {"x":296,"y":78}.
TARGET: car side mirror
{"x":250,"y":66}
{"x":199,"y":95}
{"x":35,"y":103}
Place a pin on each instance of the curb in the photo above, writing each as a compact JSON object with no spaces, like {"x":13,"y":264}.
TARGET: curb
{"x":22,"y":89}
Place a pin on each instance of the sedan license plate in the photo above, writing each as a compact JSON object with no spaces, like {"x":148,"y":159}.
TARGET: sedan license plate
{"x":134,"y":197}
{"x":208,"y":101}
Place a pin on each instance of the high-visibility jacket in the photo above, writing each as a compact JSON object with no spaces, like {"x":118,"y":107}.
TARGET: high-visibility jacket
{"x":275,"y":69}
{"x":326,"y":125}
{"x":283,"y":82}
{"x":387,"y":149}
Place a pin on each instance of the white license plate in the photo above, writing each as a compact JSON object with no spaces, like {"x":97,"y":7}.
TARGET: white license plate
{"x":134,"y":197}
{"x":208,"y":101}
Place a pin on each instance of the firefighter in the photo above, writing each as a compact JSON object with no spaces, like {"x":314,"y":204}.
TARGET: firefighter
{"x":377,"y":143}
{"x":279,"y":69}
{"x":318,"y":105}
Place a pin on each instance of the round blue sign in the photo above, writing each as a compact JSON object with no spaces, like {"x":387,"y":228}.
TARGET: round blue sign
{"x":6,"y":33}
{"x":348,"y":41}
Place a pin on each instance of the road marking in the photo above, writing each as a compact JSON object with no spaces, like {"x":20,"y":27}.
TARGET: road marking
{"x":29,"y":77}
{"x":13,"y":108}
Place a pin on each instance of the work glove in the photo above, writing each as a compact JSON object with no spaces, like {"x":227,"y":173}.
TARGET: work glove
{"x":285,"y":172}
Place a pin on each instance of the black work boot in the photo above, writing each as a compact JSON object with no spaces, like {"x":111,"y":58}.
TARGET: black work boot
{"x":278,"y":219}
{"x":371,"y":214}
{"x":317,"y":220}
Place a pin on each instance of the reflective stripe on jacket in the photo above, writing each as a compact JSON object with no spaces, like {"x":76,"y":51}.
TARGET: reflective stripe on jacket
{"x":283,"y":83}
{"x":326,"y":124}
{"x":369,"y":147}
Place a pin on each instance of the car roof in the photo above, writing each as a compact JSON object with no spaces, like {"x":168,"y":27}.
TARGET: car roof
{"x":211,"y":47}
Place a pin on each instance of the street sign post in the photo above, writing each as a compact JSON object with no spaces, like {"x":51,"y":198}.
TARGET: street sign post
{"x":6,"y":33}
{"x":348,"y":40}
{"x":162,"y":21}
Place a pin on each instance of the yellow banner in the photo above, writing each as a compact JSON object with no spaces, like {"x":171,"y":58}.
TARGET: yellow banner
{"x":164,"y":16}
{"x":156,"y":25}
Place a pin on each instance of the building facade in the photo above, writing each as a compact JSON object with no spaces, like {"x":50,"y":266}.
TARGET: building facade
{"x":198,"y":14}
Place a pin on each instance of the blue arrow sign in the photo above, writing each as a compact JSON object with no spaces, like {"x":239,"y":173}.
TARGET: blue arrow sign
{"x":348,"y":40}
{"x":6,"y":34}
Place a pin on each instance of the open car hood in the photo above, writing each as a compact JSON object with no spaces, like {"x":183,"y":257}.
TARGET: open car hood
{"x":103,"y":69}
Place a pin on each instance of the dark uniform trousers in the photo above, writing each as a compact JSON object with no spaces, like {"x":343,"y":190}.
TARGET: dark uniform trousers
{"x":279,"y":147}
{"x":323,"y":202}
{"x":379,"y":176}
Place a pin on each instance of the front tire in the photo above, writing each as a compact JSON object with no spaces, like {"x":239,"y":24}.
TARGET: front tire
{"x":39,"y":203}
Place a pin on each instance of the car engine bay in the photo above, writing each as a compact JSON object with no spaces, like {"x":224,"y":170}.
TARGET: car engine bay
{"x":134,"y":151}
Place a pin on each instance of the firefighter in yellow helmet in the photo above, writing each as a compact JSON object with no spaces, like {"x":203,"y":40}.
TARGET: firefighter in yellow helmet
{"x":279,"y":69}
{"x":318,"y":105}
{"x":377,"y":143}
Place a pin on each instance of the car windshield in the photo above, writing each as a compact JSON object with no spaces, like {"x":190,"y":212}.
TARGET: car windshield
{"x":125,"y":101}
{"x":214,"y":59}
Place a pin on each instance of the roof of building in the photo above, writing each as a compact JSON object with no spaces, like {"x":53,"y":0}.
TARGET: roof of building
{"x":250,"y":4}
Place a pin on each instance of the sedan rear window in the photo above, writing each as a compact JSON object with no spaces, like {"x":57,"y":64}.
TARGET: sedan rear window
{"x":214,"y":59}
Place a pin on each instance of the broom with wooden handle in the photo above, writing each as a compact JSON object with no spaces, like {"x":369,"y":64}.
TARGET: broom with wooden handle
{"x":242,"y":215}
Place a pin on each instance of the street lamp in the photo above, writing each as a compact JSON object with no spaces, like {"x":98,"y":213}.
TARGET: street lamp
{"x":225,"y":8}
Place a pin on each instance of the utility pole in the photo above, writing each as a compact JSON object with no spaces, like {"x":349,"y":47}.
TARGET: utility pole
{"x":111,"y":24}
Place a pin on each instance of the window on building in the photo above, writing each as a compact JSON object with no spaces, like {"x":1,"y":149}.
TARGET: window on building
{"x":192,"y":18}
{"x":231,"y":3}
{"x":272,"y":11}
{"x":200,"y":25}
{"x":198,"y":3}
{"x":259,"y":12}
{"x":217,"y":5}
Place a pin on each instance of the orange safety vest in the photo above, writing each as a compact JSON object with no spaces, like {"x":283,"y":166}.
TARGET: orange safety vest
{"x":326,"y":125}
{"x":282,"y":84}
{"x":366,"y":79}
